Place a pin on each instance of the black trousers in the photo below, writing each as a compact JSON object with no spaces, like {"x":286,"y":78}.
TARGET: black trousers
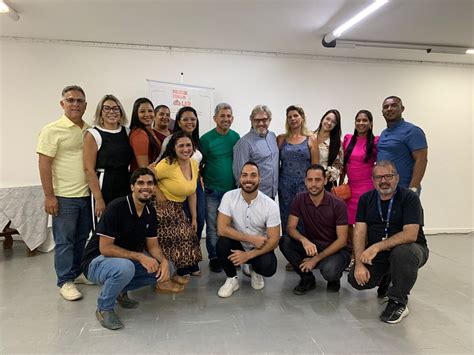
{"x":331,"y":267}
{"x":264,"y":265}
{"x":402,"y":264}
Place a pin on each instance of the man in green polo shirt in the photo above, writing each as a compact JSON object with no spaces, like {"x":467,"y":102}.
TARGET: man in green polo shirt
{"x":65,"y":188}
{"x":217,"y":149}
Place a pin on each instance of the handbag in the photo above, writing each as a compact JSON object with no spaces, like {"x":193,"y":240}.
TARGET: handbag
{"x":342,"y":191}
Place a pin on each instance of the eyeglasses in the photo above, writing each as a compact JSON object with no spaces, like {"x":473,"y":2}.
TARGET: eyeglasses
{"x":261,"y":120}
{"x":387,"y":177}
{"x":189,"y":119}
{"x":114,"y":109}
{"x":73,"y":101}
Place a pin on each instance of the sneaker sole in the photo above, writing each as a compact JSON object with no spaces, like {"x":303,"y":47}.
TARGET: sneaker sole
{"x":399,"y":319}
{"x":257,"y":287}
{"x":235,"y":289}
{"x":71,"y":298}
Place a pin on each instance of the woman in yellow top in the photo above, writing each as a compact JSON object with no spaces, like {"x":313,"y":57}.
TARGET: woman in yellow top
{"x":177,"y":176}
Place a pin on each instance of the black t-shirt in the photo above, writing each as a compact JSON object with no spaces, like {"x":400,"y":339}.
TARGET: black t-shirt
{"x":121,"y":222}
{"x":406,"y":209}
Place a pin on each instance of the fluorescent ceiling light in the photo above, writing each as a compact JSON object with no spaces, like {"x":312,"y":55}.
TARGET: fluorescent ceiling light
{"x":354,"y":20}
{"x":470,"y":51}
{"x":6,"y":9}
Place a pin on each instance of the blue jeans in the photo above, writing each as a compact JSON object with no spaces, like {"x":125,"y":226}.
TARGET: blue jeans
{"x":117,"y":275}
{"x":213,"y":200}
{"x":71,"y":229}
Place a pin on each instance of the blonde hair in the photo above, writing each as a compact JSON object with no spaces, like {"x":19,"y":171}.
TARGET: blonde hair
{"x":98,"y":112}
{"x":304,"y":130}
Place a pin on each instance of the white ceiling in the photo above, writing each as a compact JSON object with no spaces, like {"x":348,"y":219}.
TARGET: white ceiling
{"x":283,"y":26}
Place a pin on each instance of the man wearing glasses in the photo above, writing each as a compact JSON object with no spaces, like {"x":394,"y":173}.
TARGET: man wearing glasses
{"x":388,"y":240}
{"x":259,"y":146}
{"x":65,"y":188}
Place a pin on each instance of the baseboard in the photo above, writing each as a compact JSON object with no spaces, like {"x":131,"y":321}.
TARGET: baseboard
{"x":431,"y":231}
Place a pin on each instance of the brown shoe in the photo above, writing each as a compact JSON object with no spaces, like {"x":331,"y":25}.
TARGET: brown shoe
{"x":289,"y":267}
{"x":169,"y":287}
{"x":181,"y":280}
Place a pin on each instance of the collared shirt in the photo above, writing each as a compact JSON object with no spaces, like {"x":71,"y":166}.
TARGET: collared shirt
{"x":397,"y":143}
{"x":263,"y":151}
{"x":254,"y":218}
{"x":217,"y":150}
{"x":63,"y":140}
{"x":121,"y":222}
{"x":320,"y":222}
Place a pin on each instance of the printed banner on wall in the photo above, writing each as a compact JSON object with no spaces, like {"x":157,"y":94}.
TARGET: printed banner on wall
{"x":176,"y":95}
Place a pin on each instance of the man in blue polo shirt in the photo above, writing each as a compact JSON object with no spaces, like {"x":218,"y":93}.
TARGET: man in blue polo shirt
{"x":114,"y":256}
{"x":324,"y":242}
{"x":404,"y":144}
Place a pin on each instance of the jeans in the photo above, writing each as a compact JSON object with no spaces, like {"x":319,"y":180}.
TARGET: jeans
{"x":71,"y":229}
{"x":213,"y":200}
{"x":264,"y":264}
{"x":402,"y":264}
{"x":331,"y":267}
{"x":117,"y":275}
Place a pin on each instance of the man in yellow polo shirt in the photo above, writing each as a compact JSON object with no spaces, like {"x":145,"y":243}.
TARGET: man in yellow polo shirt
{"x":65,"y":188}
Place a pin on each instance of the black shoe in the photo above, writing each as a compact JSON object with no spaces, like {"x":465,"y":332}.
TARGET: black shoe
{"x":306,"y":284}
{"x":394,"y":312}
{"x":215,"y":266}
{"x":126,"y":302}
{"x":109,"y":319}
{"x":383,"y":286}
{"x":333,"y":286}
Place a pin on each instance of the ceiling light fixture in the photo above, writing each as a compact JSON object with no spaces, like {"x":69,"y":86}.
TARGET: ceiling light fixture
{"x":8,"y":10}
{"x":330,"y":38}
{"x":428,"y":48}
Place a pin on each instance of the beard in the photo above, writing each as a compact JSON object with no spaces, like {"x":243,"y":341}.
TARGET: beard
{"x":250,"y":189}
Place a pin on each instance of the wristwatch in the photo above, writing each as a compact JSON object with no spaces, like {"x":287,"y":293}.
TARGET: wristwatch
{"x":414,"y":189}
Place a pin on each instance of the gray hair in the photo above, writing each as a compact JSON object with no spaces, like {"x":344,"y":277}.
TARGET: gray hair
{"x":385,"y":164}
{"x":72,"y":88}
{"x":259,"y":109}
{"x":222,"y":106}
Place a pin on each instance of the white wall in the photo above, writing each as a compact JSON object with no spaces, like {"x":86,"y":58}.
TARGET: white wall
{"x":438,"y":98}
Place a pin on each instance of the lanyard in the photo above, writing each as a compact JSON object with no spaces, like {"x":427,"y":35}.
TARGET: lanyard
{"x":389,"y":213}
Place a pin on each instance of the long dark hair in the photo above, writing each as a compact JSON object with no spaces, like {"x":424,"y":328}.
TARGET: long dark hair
{"x":177,"y":128}
{"x":154,"y":144}
{"x":369,"y":148}
{"x":334,"y":137}
{"x":170,"y":151}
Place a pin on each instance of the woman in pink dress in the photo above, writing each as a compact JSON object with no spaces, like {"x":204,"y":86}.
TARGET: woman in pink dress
{"x":360,"y":154}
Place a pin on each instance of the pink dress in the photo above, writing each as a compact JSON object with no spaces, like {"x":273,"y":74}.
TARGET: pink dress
{"x":359,"y":173}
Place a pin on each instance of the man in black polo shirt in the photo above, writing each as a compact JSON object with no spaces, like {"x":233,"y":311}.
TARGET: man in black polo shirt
{"x":324,"y":242}
{"x":388,"y":240}
{"x":114,"y":256}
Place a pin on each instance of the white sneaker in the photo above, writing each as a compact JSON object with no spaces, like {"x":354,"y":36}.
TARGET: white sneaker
{"x":70,"y":292}
{"x":228,"y":288}
{"x":256,"y":281}
{"x":81,"y":279}
{"x":246,"y":269}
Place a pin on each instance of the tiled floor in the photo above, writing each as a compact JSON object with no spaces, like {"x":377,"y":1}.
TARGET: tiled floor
{"x":35,"y":319}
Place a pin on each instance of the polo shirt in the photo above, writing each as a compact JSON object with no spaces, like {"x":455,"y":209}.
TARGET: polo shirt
{"x":253,"y":218}
{"x":320,"y":221}
{"x":217,"y":151}
{"x":121,"y":222}
{"x":263,"y":151}
{"x":63,"y":140}
{"x":397,"y":143}
{"x":406,"y":209}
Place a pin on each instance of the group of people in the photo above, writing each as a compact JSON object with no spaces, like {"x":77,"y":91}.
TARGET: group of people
{"x":147,"y":192}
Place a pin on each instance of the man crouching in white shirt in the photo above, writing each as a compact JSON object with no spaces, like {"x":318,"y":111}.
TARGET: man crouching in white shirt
{"x":248,"y":225}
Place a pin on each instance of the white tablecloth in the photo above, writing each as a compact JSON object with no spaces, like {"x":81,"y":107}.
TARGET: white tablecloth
{"x":24,"y":207}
